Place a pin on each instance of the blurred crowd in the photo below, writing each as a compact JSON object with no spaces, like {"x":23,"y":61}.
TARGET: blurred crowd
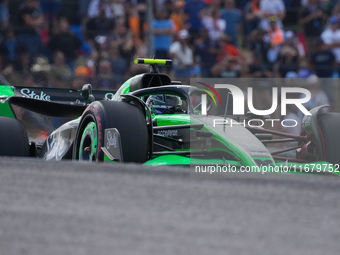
{"x":67,"y":43}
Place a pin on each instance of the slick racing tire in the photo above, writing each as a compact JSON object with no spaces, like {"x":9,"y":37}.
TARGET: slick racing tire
{"x":329,"y":124}
{"x":13,"y":138}
{"x":126,"y":118}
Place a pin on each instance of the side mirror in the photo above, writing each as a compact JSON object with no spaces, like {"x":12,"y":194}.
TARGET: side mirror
{"x":86,"y":93}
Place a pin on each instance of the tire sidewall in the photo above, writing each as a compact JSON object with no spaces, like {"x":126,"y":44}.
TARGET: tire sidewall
{"x":14,"y":139}
{"x":129,"y":121}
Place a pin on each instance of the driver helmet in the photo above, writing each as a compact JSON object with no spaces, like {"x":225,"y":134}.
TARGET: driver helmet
{"x":160,"y":102}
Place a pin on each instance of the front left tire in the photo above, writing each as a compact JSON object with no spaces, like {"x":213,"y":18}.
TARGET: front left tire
{"x":126,"y":118}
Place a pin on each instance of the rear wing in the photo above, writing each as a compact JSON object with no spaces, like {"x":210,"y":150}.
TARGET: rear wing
{"x":48,"y":101}
{"x":65,"y":96}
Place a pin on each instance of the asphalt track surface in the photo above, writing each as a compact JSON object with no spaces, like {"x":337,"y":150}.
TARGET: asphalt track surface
{"x":72,"y":208}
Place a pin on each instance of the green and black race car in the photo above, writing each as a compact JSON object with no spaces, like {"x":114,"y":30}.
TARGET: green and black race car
{"x":154,"y":121}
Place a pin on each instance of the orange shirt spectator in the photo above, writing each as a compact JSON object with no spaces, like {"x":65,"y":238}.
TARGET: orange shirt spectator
{"x":177,"y":16}
{"x":275,"y":34}
{"x":228,"y":49}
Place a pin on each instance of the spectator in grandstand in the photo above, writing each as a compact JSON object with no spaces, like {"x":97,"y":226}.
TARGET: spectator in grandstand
{"x":163,"y":30}
{"x":331,"y":37}
{"x":336,"y":8}
{"x":272,"y":8}
{"x":291,"y":40}
{"x":70,"y":10}
{"x":182,"y":56}
{"x":229,"y":67}
{"x":214,"y":24}
{"x":59,"y":69}
{"x":11,"y":75}
{"x":128,"y":47}
{"x":119,"y":65}
{"x":99,"y":25}
{"x":304,"y":69}
{"x":119,"y":32}
{"x":40,"y":69}
{"x":233,"y":20}
{"x":212,"y":5}
{"x":28,"y":80}
{"x":195,"y":71}
{"x":193,"y":8}
{"x":86,"y":43}
{"x":228,"y":49}
{"x":52,"y":10}
{"x":275,"y":34}
{"x":275,"y":37}
{"x":312,"y":19}
{"x":65,"y":42}
{"x":257,"y":43}
{"x":168,"y":6}
{"x":83,"y":9}
{"x":24,"y":63}
{"x":252,"y":16}
{"x":142,"y":15}
{"x":112,"y":8}
{"x":117,"y":7}
{"x":105,"y":80}
{"x":93,"y":8}
{"x":215,"y":4}
{"x":288,"y":61}
{"x":257,"y":67}
{"x":82,"y":77}
{"x":30,"y":20}
{"x":60,"y":75}
{"x":206,"y":50}
{"x":10,"y":47}
{"x":177,"y":16}
{"x":4,"y":14}
{"x":323,"y":60}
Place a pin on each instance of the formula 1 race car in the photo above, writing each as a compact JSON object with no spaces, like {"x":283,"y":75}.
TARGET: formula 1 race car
{"x":155,"y":121}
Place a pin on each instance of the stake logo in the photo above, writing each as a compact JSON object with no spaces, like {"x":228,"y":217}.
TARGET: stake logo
{"x":239,"y":99}
{"x":31,"y":94}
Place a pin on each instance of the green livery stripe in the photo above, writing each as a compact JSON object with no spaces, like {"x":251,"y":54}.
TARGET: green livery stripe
{"x":6,"y":111}
{"x":6,"y":91}
{"x":5,"y":108}
{"x":106,"y":159}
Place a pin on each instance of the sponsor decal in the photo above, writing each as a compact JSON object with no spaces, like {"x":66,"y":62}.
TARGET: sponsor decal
{"x":99,"y":124}
{"x":168,"y":132}
{"x":55,"y":146}
{"x":111,"y":140}
{"x":31,"y":94}
{"x":307,"y":122}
